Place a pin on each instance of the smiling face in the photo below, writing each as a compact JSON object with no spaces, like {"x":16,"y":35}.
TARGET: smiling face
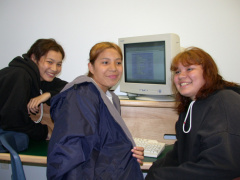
{"x":189,"y":79}
{"x":49,"y":65}
{"x":107,"y":69}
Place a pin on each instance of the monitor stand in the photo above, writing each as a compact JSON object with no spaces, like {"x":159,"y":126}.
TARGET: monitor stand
{"x":155,"y":98}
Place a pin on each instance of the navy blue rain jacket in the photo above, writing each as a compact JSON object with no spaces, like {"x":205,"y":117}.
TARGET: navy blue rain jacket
{"x":90,"y":140}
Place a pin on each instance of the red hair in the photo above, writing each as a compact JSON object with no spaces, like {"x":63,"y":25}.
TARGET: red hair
{"x":213,"y":79}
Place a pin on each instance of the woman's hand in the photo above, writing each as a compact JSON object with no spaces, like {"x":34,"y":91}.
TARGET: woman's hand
{"x":33,"y":104}
{"x":138,"y":152}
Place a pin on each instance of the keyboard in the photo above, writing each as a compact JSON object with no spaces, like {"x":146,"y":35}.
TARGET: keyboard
{"x":152,"y":148}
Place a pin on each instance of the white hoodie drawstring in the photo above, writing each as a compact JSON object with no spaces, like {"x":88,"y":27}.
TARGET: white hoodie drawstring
{"x":41,"y":109}
{"x":190,"y":123}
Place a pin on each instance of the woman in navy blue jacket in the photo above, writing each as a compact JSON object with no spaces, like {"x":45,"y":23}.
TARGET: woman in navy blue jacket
{"x":90,"y":139}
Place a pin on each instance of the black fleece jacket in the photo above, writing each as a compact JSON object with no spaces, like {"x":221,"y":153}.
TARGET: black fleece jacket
{"x":211,"y":149}
{"x":19,"y":82}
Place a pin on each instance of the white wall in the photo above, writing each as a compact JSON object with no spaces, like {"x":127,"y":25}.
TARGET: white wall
{"x":78,"y":24}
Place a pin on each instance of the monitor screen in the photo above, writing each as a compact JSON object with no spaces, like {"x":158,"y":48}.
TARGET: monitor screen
{"x":146,"y":65}
{"x":145,"y":62}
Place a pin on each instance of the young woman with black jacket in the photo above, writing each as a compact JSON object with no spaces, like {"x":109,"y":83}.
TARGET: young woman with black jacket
{"x":208,"y":128}
{"x":21,"y":83}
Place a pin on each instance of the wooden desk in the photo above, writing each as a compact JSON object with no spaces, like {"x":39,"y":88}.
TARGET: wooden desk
{"x":36,"y":154}
{"x":145,"y":119}
{"x":150,"y":119}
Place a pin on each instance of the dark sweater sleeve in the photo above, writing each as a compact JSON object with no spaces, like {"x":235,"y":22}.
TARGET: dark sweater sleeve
{"x":14,"y":114}
{"x":216,"y":162}
{"x":170,"y":159}
{"x":53,"y":87}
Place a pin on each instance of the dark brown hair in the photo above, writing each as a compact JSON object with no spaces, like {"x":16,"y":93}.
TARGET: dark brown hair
{"x":42,"y":46}
{"x":98,"y":49}
{"x":213,"y":80}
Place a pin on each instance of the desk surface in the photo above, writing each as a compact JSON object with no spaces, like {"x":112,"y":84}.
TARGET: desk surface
{"x":37,"y":154}
{"x":145,"y":119}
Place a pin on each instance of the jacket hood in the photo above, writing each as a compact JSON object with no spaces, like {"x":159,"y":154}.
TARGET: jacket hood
{"x":235,"y":89}
{"x":63,"y":98}
{"x":28,"y":65}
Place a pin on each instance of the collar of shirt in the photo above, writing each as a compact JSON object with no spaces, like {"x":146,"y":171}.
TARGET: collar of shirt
{"x":108,"y":94}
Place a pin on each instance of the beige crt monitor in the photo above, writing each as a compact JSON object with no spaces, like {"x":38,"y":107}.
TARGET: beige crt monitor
{"x":146,"y":63}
